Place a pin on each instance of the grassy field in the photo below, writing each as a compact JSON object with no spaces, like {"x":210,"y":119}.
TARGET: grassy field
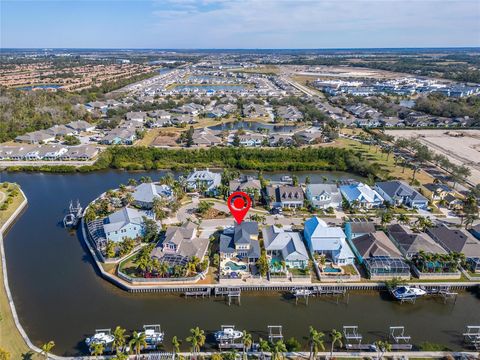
{"x":17,"y":200}
{"x":373,"y":154}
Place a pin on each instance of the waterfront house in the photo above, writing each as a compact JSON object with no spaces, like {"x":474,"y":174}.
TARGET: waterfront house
{"x":204,"y":181}
{"x":284,"y":196}
{"x":324,"y":196}
{"x":280,"y":139}
{"x":205,"y":137}
{"x":145,"y":194}
{"x":327,"y":240}
{"x":289,"y":113}
{"x":242,"y":243}
{"x":124,"y":223}
{"x":310,"y":136}
{"x":246,"y":184}
{"x":361,"y":195}
{"x":180,"y":245}
{"x":398,"y":193}
{"x":255,"y":110}
{"x":285,"y":245}
{"x":248,"y":139}
{"x":457,"y":241}
{"x":411,"y":243}
{"x":120,"y":136}
{"x":80,"y":153}
{"x":382,"y":260}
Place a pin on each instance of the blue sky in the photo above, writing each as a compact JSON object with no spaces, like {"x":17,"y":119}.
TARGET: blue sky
{"x":239,"y":23}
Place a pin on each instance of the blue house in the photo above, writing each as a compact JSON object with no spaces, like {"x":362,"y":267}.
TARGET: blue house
{"x":328,"y":241}
{"x":361,"y":195}
{"x":125,"y":223}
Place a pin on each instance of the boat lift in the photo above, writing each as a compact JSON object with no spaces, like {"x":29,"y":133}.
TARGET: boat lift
{"x":400,"y":340}
{"x":472,"y":336}
{"x":353,"y":340}
{"x":229,"y":344}
{"x":275,"y":333}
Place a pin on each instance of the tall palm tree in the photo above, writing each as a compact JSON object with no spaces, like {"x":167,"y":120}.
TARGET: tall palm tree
{"x":336,"y":337}
{"x":278,"y":350}
{"x":97,"y":349}
{"x":247,"y":342}
{"x":47,"y":347}
{"x":119,"y":338}
{"x":315,"y":340}
{"x":196,"y":339}
{"x":137,"y":342}
{"x":175,"y":345}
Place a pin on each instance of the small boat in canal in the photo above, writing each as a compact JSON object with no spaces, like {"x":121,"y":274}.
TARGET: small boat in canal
{"x":228,"y":333}
{"x":73,"y":216}
{"x":153,"y":336}
{"x":405,"y":293}
{"x":102,"y":336}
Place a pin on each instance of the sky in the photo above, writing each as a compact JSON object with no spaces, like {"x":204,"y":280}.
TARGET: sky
{"x":223,"y":24}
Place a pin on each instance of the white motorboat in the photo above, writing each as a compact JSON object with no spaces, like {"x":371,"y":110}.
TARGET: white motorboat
{"x":227,"y":334}
{"x":407,"y":292}
{"x":153,"y":336}
{"x":103,"y":337}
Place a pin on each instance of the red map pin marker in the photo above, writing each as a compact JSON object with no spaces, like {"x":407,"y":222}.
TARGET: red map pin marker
{"x":239,"y":203}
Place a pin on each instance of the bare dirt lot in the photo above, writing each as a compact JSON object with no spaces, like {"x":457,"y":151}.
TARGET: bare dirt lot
{"x":328,"y":72}
{"x":460,"y":146}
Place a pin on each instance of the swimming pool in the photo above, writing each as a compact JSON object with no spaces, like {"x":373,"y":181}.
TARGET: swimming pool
{"x":231,"y":265}
{"x":329,"y":269}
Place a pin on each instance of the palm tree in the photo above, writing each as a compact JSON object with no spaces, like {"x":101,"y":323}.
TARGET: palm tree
{"x":315,"y":341}
{"x":137,"y":342}
{"x":383,"y":347}
{"x":47,"y":347}
{"x":336,"y":338}
{"x":403,"y":219}
{"x":120,"y":356}
{"x":264,"y":346}
{"x":175,"y":345}
{"x":278,"y":349}
{"x":196,"y":339}
{"x":247,"y":342}
{"x":119,"y":338}
{"x":97,"y":349}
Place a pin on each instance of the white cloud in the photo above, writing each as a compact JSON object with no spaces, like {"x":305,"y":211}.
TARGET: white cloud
{"x":286,"y":23}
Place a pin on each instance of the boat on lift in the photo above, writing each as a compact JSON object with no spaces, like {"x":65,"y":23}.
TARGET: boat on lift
{"x":153,"y":336}
{"x":102,"y":336}
{"x":406,"y":292}
{"x":228,"y":333}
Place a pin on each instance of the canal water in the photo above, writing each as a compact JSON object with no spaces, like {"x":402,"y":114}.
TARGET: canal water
{"x":60,"y":297}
